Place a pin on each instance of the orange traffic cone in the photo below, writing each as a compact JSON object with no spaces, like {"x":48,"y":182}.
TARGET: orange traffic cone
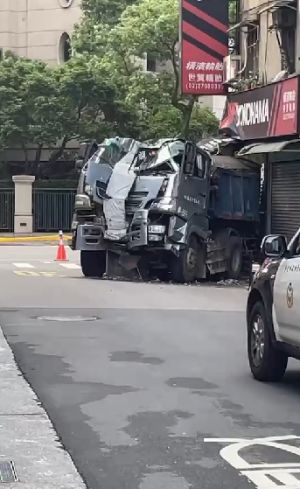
{"x":61,"y":250}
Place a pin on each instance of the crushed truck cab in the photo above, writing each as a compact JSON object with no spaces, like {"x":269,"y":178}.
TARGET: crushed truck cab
{"x":169,"y":206}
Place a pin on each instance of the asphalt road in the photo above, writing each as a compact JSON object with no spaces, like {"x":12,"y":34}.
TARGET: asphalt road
{"x":139,"y":378}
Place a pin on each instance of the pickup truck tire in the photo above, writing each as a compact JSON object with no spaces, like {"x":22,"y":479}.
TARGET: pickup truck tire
{"x":93,"y":263}
{"x":267,"y":363}
{"x":235,"y":257}
{"x":185,"y":268}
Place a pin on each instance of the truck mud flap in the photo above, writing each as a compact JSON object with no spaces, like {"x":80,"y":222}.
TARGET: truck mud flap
{"x":123,"y":266}
{"x":216,"y":257}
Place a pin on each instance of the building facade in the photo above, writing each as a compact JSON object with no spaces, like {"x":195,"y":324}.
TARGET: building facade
{"x":38,"y":29}
{"x":267,"y":41}
{"x":262,"y":111}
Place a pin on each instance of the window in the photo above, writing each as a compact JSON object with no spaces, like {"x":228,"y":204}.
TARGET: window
{"x":234,"y":18}
{"x":200,"y":166}
{"x":189,"y":160}
{"x":253,"y":50}
{"x":64,"y":48}
{"x":295,"y":245}
{"x":285,"y":23}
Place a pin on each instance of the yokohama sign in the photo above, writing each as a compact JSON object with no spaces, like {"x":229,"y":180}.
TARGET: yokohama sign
{"x":268,"y":111}
{"x":204,"y":44}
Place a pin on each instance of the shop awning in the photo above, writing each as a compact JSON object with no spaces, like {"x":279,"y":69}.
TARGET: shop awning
{"x":275,"y":147}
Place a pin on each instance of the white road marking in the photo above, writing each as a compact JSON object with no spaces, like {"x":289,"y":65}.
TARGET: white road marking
{"x":23,"y":265}
{"x":70,"y":266}
{"x":26,"y":273}
{"x":263,"y":475}
{"x":48,"y":274}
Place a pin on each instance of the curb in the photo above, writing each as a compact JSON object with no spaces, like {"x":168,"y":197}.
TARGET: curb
{"x":28,"y":438}
{"x":26,"y":239}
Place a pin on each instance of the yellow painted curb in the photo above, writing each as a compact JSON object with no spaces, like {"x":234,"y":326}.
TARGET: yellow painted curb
{"x":15,"y":239}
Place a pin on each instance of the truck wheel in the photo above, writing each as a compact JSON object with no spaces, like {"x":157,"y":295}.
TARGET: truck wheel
{"x":93,"y":263}
{"x":185,"y":267}
{"x":267,"y":363}
{"x":235,"y":257}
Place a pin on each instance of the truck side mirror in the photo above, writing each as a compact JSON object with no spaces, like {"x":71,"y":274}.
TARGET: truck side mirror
{"x":274,"y":246}
{"x":86,"y":151}
{"x":79,"y":164}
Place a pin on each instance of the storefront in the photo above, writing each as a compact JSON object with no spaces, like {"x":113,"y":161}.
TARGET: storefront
{"x":266,"y":119}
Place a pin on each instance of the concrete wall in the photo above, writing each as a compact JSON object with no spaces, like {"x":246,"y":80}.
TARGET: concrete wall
{"x":33,"y":28}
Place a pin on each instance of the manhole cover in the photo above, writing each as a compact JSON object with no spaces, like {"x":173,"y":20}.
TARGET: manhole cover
{"x":68,"y":319}
{"x":8,"y":472}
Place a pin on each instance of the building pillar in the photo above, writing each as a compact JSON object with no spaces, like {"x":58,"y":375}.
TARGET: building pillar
{"x":297,"y":50}
{"x":23,"y":221}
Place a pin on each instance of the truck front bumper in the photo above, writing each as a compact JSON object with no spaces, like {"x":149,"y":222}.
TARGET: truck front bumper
{"x":88,"y":237}
{"x":144,"y":233}
{"x":141,"y":234}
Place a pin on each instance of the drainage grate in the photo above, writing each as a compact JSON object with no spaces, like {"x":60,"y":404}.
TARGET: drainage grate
{"x":68,"y":319}
{"x":8,"y":472}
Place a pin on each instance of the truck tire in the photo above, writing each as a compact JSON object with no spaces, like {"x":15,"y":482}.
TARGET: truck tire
{"x":267,"y":363}
{"x":235,"y":257}
{"x":93,"y":263}
{"x":185,"y":268}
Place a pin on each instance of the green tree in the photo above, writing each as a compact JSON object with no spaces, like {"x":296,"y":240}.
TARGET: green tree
{"x":153,"y":100}
{"x":30,"y":105}
{"x":47,"y":107}
{"x":105,"y":11}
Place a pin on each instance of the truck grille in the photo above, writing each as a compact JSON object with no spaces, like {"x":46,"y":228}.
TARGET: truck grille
{"x":135,"y":199}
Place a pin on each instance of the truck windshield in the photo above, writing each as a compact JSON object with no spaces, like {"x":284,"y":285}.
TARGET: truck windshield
{"x":166,"y":158}
{"x":107,"y":155}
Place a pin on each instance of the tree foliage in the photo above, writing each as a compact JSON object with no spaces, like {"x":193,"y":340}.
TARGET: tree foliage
{"x":41,"y":106}
{"x":30,"y":104}
{"x":104,"y":89}
{"x":143,"y":27}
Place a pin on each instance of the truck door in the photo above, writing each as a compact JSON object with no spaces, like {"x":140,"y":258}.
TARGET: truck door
{"x":194,"y":187}
{"x":287,"y":296}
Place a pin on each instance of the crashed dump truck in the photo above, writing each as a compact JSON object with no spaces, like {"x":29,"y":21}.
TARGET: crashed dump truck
{"x":168,"y":207}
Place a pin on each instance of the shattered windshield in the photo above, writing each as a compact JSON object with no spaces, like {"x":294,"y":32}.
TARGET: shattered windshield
{"x":109,"y":154}
{"x":168,"y":157}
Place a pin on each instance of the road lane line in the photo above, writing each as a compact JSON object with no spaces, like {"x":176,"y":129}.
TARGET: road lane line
{"x":70,"y":266}
{"x":26,"y":273}
{"x":23,"y":265}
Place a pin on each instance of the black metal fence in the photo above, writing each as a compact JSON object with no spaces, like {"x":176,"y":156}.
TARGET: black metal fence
{"x":7,"y":209}
{"x":53,"y":209}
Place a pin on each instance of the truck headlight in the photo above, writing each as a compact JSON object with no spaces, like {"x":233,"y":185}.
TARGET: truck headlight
{"x":74,"y":225}
{"x":88,"y":190}
{"x":167,"y":204}
{"x":156,"y":229}
{"x":82,"y":202}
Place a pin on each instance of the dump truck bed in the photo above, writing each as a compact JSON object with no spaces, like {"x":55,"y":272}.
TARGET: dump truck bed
{"x":235,"y":190}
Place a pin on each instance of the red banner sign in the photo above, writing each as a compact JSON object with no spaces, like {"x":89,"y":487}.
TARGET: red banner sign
{"x":204,"y":44}
{"x":268,"y":111}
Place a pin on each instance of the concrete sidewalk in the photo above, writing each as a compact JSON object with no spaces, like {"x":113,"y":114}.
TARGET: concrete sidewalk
{"x":28,"y":438}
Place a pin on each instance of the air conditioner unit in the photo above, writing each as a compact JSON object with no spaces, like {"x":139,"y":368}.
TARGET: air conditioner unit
{"x":232,"y":65}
